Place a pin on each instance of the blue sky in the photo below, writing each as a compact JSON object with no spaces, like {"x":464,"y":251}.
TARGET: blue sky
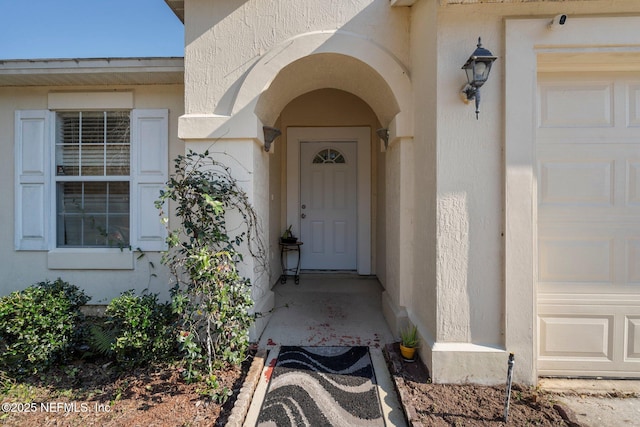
{"x":39,"y":29}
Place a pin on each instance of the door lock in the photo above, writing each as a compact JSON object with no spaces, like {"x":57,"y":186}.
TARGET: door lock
{"x":304,"y":206}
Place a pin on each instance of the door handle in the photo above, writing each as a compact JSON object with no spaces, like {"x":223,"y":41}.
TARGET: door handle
{"x":303,"y":215}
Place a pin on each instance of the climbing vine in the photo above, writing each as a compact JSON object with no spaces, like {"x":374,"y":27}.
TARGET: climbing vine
{"x":210,"y":294}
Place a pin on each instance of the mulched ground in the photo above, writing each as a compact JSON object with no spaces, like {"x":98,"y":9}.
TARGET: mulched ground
{"x":96,"y":394}
{"x":428,"y":404}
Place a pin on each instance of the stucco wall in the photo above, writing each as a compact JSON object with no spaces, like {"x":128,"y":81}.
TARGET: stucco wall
{"x":471,"y":302}
{"x":21,"y":269}
{"x":215,"y":66}
{"x":444,"y":219}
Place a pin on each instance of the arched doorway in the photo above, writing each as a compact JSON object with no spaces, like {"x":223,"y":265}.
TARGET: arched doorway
{"x":327,"y":80}
{"x":341,"y":62}
{"x":340,"y":100}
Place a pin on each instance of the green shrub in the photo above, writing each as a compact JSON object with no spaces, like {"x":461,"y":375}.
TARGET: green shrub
{"x":144,"y":329}
{"x":215,"y":312}
{"x":212,"y":298}
{"x":39,"y":325}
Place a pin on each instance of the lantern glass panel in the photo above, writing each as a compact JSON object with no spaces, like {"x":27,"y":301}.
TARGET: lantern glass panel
{"x":480,"y":72}
{"x":469,"y":71}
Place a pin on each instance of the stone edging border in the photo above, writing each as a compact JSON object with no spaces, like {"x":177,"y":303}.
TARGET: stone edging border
{"x":568,"y":415}
{"x":243,"y":401}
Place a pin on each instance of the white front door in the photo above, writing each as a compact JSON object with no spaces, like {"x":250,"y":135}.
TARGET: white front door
{"x":328,"y":205}
{"x":337,"y":235}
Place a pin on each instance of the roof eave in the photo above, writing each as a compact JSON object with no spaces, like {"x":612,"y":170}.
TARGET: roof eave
{"x":178,"y":8}
{"x":91,"y":71}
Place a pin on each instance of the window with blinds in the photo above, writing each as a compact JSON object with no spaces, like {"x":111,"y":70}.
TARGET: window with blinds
{"x":92,"y":169}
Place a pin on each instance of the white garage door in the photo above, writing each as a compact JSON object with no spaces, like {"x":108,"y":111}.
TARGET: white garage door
{"x":588,"y":175}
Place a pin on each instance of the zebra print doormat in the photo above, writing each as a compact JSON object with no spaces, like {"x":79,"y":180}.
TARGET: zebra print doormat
{"x":322,"y":386}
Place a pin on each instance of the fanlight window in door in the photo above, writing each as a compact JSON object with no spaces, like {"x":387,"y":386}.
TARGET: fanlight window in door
{"x":329,"y":155}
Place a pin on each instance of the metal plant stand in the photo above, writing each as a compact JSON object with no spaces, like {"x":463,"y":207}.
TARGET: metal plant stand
{"x":285,"y":248}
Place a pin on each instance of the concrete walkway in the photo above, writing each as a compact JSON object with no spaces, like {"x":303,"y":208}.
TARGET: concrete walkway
{"x":330,"y":310}
{"x":598,"y":403}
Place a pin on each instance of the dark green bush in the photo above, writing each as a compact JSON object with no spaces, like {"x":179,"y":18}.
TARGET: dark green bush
{"x":144,"y":329}
{"x":39,"y":326}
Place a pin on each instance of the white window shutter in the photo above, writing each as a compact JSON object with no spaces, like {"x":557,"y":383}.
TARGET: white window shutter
{"x":149,"y":158}
{"x":33,"y":147}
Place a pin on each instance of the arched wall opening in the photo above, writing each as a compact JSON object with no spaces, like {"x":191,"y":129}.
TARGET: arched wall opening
{"x":351,"y":84}
{"x":328,"y":70}
{"x":334,"y":80}
{"x":331,"y":78}
{"x":327,"y":59}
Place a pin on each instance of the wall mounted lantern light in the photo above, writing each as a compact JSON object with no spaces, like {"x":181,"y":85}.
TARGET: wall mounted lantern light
{"x":383,"y":134}
{"x":477,"y":68}
{"x":269,"y":135}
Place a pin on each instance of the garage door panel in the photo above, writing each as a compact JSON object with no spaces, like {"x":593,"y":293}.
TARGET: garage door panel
{"x":576,"y":183}
{"x":579,"y":337}
{"x":633,"y":261}
{"x":633,"y":183}
{"x":605,"y":179}
{"x":576,"y":260}
{"x":594,"y":110}
{"x":632,"y":337}
{"x":602,"y":257}
{"x":589,"y":335}
{"x":585,"y":104}
{"x":634,"y":105}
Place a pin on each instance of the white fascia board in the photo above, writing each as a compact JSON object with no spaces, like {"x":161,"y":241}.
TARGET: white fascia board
{"x":94,"y":65}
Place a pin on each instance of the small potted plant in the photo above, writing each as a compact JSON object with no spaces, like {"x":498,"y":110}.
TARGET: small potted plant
{"x":288,"y":237}
{"x":409,"y":343}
